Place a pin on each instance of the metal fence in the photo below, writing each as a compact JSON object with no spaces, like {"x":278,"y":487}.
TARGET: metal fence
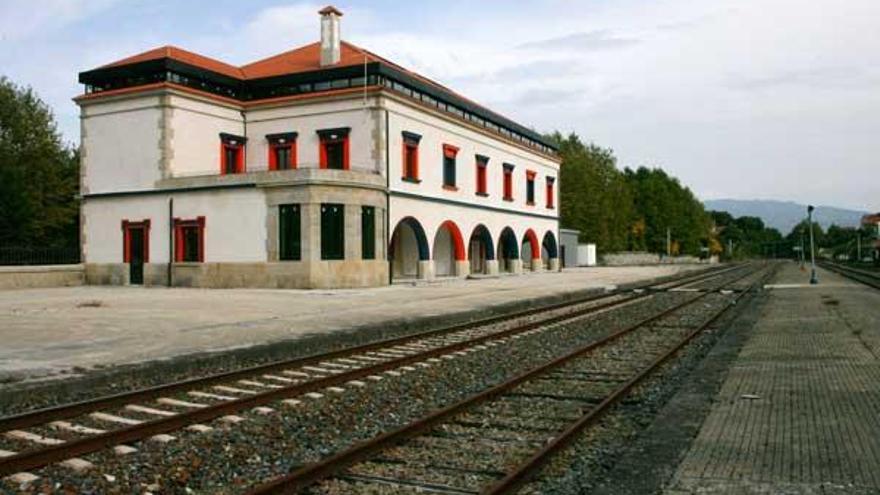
{"x":17,"y":256}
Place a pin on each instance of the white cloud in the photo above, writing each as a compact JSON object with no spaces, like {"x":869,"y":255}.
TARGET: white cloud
{"x":20,"y":20}
{"x":752,"y":98}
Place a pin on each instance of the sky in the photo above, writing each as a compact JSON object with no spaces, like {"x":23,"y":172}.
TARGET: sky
{"x":747,"y":99}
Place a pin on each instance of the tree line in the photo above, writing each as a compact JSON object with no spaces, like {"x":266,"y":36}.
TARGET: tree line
{"x":628,"y":210}
{"x":39,"y":174}
{"x":748,"y":237}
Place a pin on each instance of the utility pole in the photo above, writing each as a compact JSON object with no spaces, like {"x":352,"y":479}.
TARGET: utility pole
{"x":858,"y":246}
{"x":668,"y":242}
{"x":803,"y":253}
{"x":813,"y":279}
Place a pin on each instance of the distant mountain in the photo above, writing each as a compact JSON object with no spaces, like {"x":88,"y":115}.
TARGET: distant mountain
{"x":784,"y":215}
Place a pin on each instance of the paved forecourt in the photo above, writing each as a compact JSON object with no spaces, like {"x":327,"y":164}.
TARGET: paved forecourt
{"x":799,"y":412}
{"x":46,"y":331}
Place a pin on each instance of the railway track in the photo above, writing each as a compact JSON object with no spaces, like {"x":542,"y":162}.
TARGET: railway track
{"x":118,"y":421}
{"x":871,"y":279}
{"x":496,"y":440}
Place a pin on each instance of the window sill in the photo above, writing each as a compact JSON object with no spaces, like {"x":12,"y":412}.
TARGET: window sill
{"x":449,"y":188}
{"x":482,"y":194}
{"x":411,"y":180}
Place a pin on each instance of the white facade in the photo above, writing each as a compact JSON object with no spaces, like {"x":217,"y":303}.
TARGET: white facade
{"x":152,"y":161}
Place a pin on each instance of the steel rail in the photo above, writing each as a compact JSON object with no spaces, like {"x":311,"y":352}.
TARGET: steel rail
{"x":312,"y":473}
{"x":861,"y":276}
{"x":66,"y":411}
{"x":522,"y":473}
{"x":40,"y":457}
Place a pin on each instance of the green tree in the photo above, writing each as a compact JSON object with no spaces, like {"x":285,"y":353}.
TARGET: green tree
{"x":39,"y":175}
{"x":748,"y":236}
{"x":663,"y":204}
{"x":595,"y":199}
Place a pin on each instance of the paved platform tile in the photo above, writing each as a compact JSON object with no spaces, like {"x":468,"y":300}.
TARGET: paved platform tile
{"x":800,"y":409}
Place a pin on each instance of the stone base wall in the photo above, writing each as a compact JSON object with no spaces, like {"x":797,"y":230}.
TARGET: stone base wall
{"x":33,"y":277}
{"x":286,"y":275}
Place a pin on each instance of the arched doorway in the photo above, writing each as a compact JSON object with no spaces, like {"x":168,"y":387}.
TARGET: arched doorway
{"x":480,"y":249}
{"x":409,"y":246}
{"x":508,"y":251}
{"x":549,"y":251}
{"x":448,"y":250}
{"x":530,"y":250}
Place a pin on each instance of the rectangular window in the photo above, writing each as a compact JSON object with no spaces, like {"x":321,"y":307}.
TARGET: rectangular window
{"x":332,"y":231}
{"x":334,"y":152}
{"x":282,"y":150}
{"x":189,"y":240}
{"x":282,"y":158}
{"x":411,"y":156}
{"x":449,"y":154}
{"x":410,"y":162}
{"x":289,"y":245}
{"x":482,"y":163}
{"x":508,"y":182}
{"x":530,"y":187}
{"x":549,"y":193}
{"x":230,"y":164}
{"x":335,"y":155}
{"x":368,"y":232}
{"x":231,"y":154}
{"x":448,"y":171}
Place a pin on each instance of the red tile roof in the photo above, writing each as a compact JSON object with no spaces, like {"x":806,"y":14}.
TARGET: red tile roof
{"x":184,"y":56}
{"x":303,"y":59}
{"x":871,"y":219}
{"x":306,"y":58}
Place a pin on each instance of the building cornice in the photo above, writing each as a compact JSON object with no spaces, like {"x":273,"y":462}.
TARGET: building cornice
{"x":262,"y":179}
{"x":465,"y":204}
{"x":413,"y":103}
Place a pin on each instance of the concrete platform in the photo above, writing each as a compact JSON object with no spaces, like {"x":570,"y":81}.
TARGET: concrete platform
{"x":47,"y":331}
{"x":799,"y":412}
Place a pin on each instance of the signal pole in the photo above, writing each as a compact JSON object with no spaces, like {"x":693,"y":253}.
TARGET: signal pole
{"x":803,"y":253}
{"x":813,"y":279}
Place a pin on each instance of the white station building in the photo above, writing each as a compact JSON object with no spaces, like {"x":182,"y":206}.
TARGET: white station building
{"x":324,"y":166}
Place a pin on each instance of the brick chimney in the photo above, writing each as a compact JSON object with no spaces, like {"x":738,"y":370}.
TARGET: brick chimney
{"x":330,"y":40}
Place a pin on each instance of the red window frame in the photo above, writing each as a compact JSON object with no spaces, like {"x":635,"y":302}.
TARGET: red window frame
{"x":282,"y":140}
{"x":410,"y":147}
{"x":236,"y":143}
{"x":127,"y":227}
{"x":179,"y":238}
{"x":333,"y":136}
{"x":530,"y":178}
{"x":410,"y":169}
{"x":549,"y":192}
{"x":482,"y":164}
{"x":508,"y":182}
{"x":451,"y":152}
